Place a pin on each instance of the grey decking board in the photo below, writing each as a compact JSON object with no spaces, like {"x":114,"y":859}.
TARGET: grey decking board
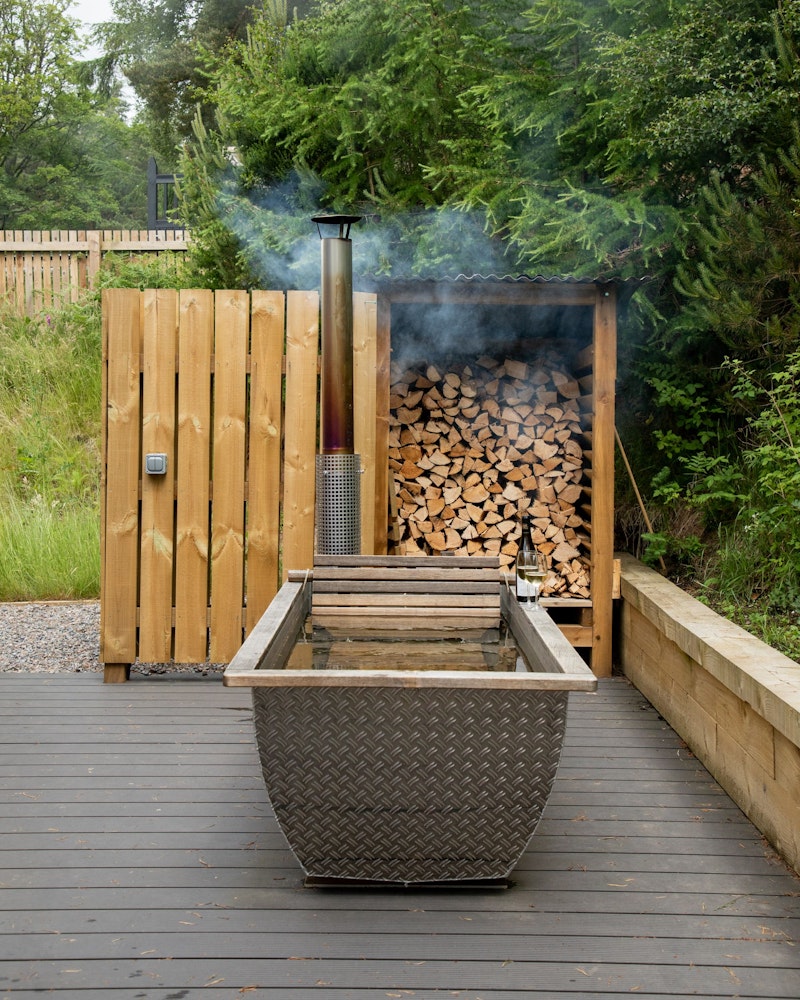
{"x":94,"y":810}
{"x":110,"y":858}
{"x":170,"y":829}
{"x":637,"y":771}
{"x":89,"y":811}
{"x":418,"y":974}
{"x":43,"y":793}
{"x":355,"y":920}
{"x":14,"y":784}
{"x":204,"y":874}
{"x":95,"y":797}
{"x":379,"y":946}
{"x":280,"y":993}
{"x":278,"y":889}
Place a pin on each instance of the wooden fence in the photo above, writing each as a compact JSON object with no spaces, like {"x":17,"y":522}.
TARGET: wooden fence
{"x":40,"y":270}
{"x":224,"y":384}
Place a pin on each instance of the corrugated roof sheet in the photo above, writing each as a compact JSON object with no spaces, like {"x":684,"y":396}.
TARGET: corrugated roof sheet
{"x":629,"y":284}
{"x":538,"y":279}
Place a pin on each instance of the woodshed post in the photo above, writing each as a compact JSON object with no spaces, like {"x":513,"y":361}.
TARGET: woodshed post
{"x":603,"y":421}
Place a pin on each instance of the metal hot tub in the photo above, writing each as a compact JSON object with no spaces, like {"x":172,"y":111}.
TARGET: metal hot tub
{"x":382,"y":762}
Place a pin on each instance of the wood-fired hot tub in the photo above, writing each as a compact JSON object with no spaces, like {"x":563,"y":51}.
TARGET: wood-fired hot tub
{"x":409,"y":715}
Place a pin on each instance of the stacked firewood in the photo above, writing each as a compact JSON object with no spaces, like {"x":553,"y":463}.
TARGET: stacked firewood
{"x":472,"y":446}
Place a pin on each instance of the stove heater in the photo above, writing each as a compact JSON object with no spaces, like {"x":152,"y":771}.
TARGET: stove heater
{"x":338,"y":469}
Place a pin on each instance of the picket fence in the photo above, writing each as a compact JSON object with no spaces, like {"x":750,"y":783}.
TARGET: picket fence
{"x":44,"y":269}
{"x":224,"y":384}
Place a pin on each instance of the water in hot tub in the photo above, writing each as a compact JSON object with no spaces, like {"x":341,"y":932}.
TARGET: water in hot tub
{"x":491,"y":650}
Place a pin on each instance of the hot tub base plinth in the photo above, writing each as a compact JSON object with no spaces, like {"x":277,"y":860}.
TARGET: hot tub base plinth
{"x":311,"y":882}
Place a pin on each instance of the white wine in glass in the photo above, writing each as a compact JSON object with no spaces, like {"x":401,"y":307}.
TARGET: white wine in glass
{"x":535,"y":573}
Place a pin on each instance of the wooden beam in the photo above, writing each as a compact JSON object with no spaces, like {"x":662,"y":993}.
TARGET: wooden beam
{"x":383,"y":335}
{"x":603,"y":423}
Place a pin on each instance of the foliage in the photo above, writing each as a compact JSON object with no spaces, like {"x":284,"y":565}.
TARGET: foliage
{"x":48,"y":552}
{"x":163,"y":48}
{"x":35,"y":43}
{"x":50,"y":412}
{"x":528,"y":114}
{"x":747,"y":488}
{"x":741,"y":282}
{"x":771,"y":468}
{"x":778,"y":628}
{"x":66,"y":154}
{"x":163,"y":270}
{"x":49,"y":453}
{"x":333,"y":112}
{"x":700,"y":88}
{"x":215,"y":257}
{"x":49,"y":392}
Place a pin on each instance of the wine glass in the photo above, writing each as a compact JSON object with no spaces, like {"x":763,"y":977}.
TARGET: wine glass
{"x":535,"y":571}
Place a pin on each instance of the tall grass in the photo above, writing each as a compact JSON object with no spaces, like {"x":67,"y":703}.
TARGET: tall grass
{"x":50,"y":391}
{"x":48,"y":551}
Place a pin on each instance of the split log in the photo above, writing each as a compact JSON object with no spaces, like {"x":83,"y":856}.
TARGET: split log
{"x":473,"y":446}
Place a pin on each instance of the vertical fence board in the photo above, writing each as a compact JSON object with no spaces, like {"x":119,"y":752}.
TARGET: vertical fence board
{"x":28,"y":266}
{"x":364,"y":414}
{"x":264,"y":452}
{"x":603,"y":405}
{"x":302,"y":348}
{"x":37,"y":266}
{"x":47,"y":276}
{"x":158,"y":435}
{"x":122,"y":339}
{"x":5,"y":279}
{"x":60,"y":283}
{"x":77,"y":272}
{"x":231,"y":325}
{"x":20,"y":278}
{"x":195,"y":346}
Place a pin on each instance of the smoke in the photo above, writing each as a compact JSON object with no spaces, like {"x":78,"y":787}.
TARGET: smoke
{"x":274,"y":230}
{"x":281,"y":245}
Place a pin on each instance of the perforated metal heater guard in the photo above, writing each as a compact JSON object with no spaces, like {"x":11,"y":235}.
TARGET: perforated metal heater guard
{"x":338,"y":507}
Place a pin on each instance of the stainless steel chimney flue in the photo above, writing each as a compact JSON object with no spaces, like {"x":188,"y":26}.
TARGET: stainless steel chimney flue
{"x":338,"y":469}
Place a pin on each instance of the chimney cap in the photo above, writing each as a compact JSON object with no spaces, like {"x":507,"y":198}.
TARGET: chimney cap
{"x":342,"y":221}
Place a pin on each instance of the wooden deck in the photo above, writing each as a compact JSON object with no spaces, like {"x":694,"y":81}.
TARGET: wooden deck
{"x":140,"y":859}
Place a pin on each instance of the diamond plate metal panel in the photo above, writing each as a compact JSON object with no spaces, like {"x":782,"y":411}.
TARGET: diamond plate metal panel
{"x":405,"y":784}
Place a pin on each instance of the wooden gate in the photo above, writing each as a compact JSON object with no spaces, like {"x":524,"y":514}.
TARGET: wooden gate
{"x":224,"y":385}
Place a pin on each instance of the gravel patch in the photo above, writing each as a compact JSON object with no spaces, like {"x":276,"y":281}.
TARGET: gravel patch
{"x":64,"y":637}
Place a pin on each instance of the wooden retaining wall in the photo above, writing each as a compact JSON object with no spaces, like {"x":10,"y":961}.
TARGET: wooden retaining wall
{"x":42,"y":269}
{"x":733,"y":699}
{"x":224,"y":384}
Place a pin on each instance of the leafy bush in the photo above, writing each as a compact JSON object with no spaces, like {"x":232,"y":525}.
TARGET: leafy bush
{"x":768,"y":518}
{"x":745,"y":483}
